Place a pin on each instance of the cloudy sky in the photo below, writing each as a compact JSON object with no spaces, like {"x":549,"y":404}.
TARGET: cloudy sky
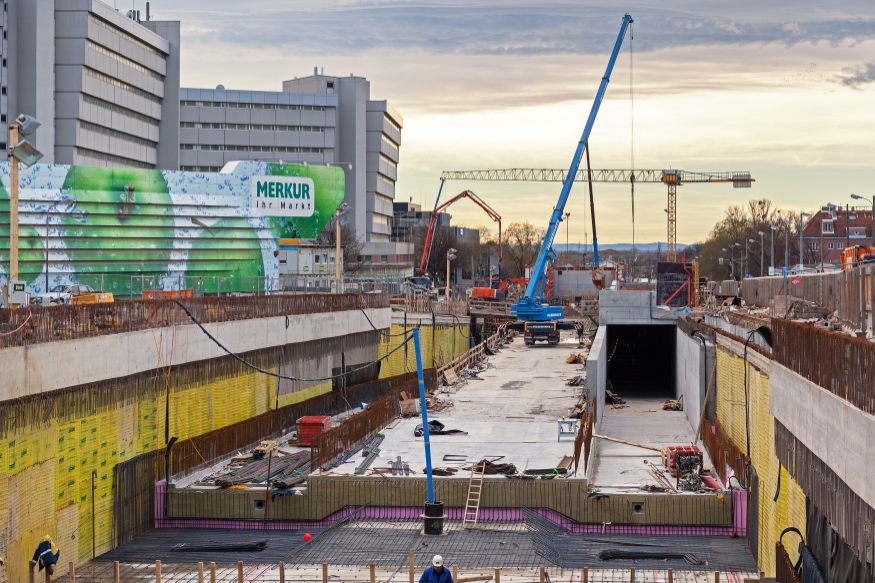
{"x":785,"y":90}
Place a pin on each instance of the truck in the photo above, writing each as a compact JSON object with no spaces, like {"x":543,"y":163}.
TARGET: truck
{"x":857,"y":255}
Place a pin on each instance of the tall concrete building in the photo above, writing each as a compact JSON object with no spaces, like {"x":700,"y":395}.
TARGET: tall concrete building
{"x":218,"y":126}
{"x":103,"y":84}
{"x":369,"y":140}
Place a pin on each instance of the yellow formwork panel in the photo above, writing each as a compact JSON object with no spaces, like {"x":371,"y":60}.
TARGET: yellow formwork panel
{"x":439,"y":345}
{"x":67,"y":465}
{"x":308,"y":393}
{"x":789,"y":508}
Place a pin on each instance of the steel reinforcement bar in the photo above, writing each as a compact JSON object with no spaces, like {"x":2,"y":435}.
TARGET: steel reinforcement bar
{"x":837,"y":362}
{"x":36,"y":324}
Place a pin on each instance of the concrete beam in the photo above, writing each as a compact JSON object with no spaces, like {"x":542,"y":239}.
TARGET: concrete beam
{"x":41,"y":368}
{"x":838,"y":433}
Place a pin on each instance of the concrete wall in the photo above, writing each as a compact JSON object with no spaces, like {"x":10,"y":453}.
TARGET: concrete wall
{"x":597,"y":374}
{"x":694,"y":362}
{"x":834,"y":430}
{"x":632,"y":307}
{"x":48,"y":367}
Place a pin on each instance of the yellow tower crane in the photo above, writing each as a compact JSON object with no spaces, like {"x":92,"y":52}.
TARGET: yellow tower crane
{"x":671,"y":178}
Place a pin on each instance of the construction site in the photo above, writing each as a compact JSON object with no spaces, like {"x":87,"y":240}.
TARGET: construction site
{"x":573,"y":424}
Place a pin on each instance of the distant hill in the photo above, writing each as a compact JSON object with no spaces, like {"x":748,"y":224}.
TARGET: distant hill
{"x":580,"y":247}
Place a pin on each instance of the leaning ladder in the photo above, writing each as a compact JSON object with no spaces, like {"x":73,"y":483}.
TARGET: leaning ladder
{"x":475,"y":489}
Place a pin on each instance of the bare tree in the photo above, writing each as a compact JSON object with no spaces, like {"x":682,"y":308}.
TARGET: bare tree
{"x":349,"y":243}
{"x":520,"y":247}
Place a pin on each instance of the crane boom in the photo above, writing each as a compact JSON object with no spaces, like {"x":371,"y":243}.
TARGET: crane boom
{"x":529,"y":306}
{"x":432,"y":223}
{"x":671,"y":178}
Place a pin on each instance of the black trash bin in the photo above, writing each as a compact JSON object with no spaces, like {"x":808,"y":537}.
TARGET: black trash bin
{"x":434,"y":518}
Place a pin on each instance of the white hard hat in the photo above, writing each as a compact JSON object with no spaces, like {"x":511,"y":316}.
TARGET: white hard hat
{"x":437,"y":561}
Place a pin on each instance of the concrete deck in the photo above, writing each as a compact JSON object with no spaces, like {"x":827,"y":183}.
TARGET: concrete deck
{"x":641,"y":420}
{"x":512,"y":412}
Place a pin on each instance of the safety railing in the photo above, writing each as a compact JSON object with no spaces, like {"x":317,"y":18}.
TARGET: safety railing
{"x":40,"y":324}
{"x":473,"y":355}
{"x":330,"y":444}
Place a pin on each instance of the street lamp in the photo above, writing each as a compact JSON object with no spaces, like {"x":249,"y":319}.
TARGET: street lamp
{"x":762,"y":251}
{"x":20,"y":152}
{"x":566,"y":236}
{"x":858,"y":197}
{"x":772,"y":267}
{"x":342,"y":218}
{"x":451,"y":254}
{"x":802,"y":242}
{"x":734,"y":245}
{"x":746,"y":254}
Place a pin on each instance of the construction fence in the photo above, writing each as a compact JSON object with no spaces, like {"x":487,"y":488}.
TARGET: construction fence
{"x":39,"y":324}
{"x":851,"y":293}
{"x":59,"y":451}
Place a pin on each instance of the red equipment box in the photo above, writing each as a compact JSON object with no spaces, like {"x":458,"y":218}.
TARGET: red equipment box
{"x":311,"y":426}
{"x":669,"y":456}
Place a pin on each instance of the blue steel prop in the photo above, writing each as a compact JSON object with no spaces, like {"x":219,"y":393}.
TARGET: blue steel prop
{"x":424,"y":415}
{"x":530,"y":306}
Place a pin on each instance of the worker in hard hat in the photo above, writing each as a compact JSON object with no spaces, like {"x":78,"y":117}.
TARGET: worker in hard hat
{"x":437,"y":573}
{"x":46,"y":555}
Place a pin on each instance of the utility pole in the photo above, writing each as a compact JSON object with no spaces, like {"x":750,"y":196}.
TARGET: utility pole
{"x":802,"y":242}
{"x":787,"y":244}
{"x":772,"y":269}
{"x":337,"y":256}
{"x":858,"y":197}
{"x":762,"y":252}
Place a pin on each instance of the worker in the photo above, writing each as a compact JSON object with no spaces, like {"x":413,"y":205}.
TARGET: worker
{"x":46,"y":555}
{"x":436,"y":573}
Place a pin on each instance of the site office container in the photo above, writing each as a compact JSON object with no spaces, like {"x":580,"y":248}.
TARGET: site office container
{"x":311,"y":426}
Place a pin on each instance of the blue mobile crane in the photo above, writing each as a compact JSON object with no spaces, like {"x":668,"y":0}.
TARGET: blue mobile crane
{"x":532,"y":309}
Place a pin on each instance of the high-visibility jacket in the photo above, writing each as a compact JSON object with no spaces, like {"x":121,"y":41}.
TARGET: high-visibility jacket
{"x":46,"y":554}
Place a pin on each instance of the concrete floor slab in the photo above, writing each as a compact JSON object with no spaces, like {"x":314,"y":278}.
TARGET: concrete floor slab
{"x":511,"y":412}
{"x":641,"y":420}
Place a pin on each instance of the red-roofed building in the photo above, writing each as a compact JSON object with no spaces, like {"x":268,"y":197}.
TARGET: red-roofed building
{"x":832,"y":229}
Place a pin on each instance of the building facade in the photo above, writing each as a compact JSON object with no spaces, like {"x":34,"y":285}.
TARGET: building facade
{"x":103,"y":85}
{"x":218,"y":126}
{"x":834,"y":228}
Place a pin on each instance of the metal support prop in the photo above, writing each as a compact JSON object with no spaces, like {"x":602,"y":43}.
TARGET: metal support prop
{"x":422,"y":406}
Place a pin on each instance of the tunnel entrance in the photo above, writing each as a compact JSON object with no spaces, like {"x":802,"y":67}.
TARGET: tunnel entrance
{"x":641,"y":360}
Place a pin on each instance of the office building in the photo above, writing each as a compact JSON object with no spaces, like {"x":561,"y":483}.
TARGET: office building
{"x":218,"y":126}
{"x":103,"y":84}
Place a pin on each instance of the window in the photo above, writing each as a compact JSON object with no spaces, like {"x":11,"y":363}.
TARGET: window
{"x":384,"y":259}
{"x":3,"y":90}
{"x":814,"y":246}
{"x":121,"y":85}
{"x":856,"y":233}
{"x":841,"y":246}
{"x":392,"y":147}
{"x":367,"y":258}
{"x":126,"y":36}
{"x":94,"y":155}
{"x":118,"y":109}
{"x":829,"y":246}
{"x":123,"y":60}
{"x":4,"y":62}
{"x":827,"y":227}
{"x":317,"y":258}
{"x":116,"y":134}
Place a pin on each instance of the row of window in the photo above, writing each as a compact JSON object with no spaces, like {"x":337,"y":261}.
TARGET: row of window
{"x":124,"y":60}
{"x":91,"y":127}
{"x":126,"y":36}
{"x":226,"y":148}
{"x":386,"y":160}
{"x":118,"y":109}
{"x":122,"y":85}
{"x":249,"y":126}
{"x":200,"y":168}
{"x":118,"y":160}
{"x":385,"y":258}
{"x":392,"y":145}
{"x":233,"y":105}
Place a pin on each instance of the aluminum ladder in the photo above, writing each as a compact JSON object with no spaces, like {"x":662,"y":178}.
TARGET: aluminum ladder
{"x":475,"y":489}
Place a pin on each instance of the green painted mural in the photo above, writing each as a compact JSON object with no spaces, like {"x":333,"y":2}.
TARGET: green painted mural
{"x":120,"y":228}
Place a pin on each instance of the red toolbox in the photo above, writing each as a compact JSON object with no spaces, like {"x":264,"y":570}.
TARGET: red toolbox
{"x":669,"y":456}
{"x":311,"y":426}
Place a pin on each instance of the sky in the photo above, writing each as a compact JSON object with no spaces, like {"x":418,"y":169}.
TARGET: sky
{"x":785,"y":90}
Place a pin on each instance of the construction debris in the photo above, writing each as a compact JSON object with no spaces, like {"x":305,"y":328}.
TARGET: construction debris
{"x":578,"y":381}
{"x":435,"y":427}
{"x":576,"y":359}
{"x":613,"y":398}
{"x":673,"y":404}
{"x":264,"y":449}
